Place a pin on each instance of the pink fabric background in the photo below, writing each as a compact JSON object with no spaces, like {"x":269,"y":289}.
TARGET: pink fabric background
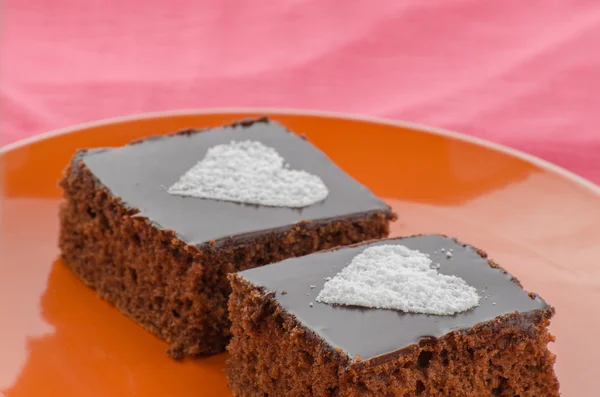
{"x":521,"y":73}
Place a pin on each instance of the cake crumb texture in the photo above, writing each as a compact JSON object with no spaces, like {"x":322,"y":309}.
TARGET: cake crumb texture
{"x":272,"y":354}
{"x":176,"y":291}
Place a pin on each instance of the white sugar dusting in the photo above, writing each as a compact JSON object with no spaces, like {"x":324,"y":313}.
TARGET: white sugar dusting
{"x":396,"y":277}
{"x":252,"y":173}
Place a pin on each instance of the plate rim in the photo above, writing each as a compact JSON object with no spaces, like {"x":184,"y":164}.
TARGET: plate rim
{"x":537,"y":161}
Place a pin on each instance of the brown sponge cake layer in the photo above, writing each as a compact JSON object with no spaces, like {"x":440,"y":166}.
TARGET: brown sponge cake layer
{"x":175,"y":290}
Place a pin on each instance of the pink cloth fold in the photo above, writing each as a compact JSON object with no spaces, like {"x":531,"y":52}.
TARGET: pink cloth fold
{"x":522,"y":73}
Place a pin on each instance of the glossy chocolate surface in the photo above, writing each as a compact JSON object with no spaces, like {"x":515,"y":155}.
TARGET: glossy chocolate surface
{"x":140,"y":174}
{"x":371,"y":333}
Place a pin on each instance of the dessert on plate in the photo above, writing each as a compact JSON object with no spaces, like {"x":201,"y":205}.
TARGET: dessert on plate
{"x":156,"y":226}
{"x":416,"y":316}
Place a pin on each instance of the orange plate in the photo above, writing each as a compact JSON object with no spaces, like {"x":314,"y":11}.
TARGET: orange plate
{"x":540,"y":222}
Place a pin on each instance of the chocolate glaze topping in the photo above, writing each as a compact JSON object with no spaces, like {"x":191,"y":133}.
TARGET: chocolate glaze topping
{"x":140,"y":174}
{"x":373,"y":333}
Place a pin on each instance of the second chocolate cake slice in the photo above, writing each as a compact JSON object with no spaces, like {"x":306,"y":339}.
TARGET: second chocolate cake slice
{"x":155,"y":230}
{"x":416,"y":316}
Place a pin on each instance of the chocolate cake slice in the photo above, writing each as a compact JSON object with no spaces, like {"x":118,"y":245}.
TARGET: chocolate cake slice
{"x":162,"y":258}
{"x":288,"y":343}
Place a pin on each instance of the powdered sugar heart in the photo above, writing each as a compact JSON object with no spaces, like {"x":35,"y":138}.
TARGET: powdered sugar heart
{"x":250,"y":172}
{"x":396,"y":277}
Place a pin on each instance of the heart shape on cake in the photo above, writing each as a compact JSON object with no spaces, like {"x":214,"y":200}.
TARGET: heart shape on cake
{"x":396,"y":277}
{"x":252,"y":173}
